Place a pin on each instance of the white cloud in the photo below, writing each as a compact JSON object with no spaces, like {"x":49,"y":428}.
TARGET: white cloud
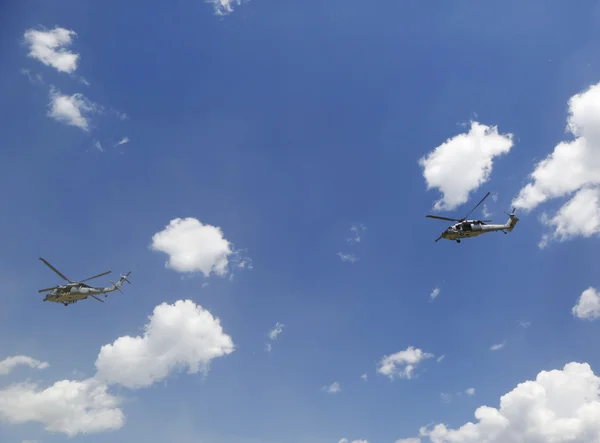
{"x":440,"y":358}
{"x":10,"y":363}
{"x":559,"y":406}
{"x":70,"y":109}
{"x":70,"y":407}
{"x":498,"y":346}
{"x":524,"y":324}
{"x":435,"y":293}
{"x":403,"y":363}
{"x":333,"y":388}
{"x":588,"y":305}
{"x":356,"y":230}
{"x":273,"y":333}
{"x":37,"y":79}
{"x":409,"y":440}
{"x":580,"y":216}
{"x":572,"y":166}
{"x":345,"y":440}
{"x":196,"y":247}
{"x":446,"y":398}
{"x":485,"y":211}
{"x":445,"y":167}
{"x":123,"y":141}
{"x":224,"y":7}
{"x":98,"y":146}
{"x":364,"y":377}
{"x":470,"y":391}
{"x":351,"y":258}
{"x":178,"y":336}
{"x":49,"y":47}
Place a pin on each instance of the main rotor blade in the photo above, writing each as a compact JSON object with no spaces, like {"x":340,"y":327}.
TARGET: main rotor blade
{"x":100,"y":300}
{"x":442,"y":218}
{"x":96,"y":276}
{"x":55,"y":270}
{"x":480,"y":202}
{"x":47,"y":289}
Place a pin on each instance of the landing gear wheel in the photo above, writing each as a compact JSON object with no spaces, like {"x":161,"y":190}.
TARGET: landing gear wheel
{"x":66,"y":304}
{"x":457,"y":241}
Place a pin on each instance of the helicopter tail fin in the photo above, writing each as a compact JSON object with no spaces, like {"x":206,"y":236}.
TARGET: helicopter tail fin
{"x":512,"y":221}
{"x":121,"y":281}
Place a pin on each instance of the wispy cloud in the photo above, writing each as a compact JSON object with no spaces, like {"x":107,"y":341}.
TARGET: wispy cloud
{"x":333,"y":388}
{"x":350,"y":258}
{"x":498,"y":346}
{"x":470,"y":391}
{"x":224,"y":7}
{"x":485,"y":211}
{"x":364,"y":377}
{"x":9,"y":364}
{"x":434,"y":293}
{"x":122,"y":141}
{"x":98,"y":146}
{"x":356,"y":231}
{"x":278,"y":329}
{"x":36,"y":79}
{"x":273,"y":334}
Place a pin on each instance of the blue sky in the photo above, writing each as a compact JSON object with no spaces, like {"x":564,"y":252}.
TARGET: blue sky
{"x":285,"y":124}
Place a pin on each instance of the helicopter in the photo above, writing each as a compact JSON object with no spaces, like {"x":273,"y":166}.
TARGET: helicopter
{"x":75,"y":291}
{"x":472,"y":228}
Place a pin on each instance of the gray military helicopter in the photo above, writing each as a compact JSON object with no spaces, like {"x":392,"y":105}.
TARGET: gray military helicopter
{"x":74,"y":291}
{"x":472,"y":228}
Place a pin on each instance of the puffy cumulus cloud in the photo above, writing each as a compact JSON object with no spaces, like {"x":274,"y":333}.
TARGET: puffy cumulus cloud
{"x":195,"y":247}
{"x":558,"y":406}
{"x":70,"y":109}
{"x":402,"y":364}
{"x":181,"y":335}
{"x":572,"y":166}
{"x":49,"y":47}
{"x":10,"y":363}
{"x":445,"y":167}
{"x":224,"y":7}
{"x":70,"y":407}
{"x":588,"y":305}
{"x":580,"y":216}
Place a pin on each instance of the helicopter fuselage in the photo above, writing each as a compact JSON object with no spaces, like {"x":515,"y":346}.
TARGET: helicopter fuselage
{"x":470,"y":228}
{"x":71,"y":293}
